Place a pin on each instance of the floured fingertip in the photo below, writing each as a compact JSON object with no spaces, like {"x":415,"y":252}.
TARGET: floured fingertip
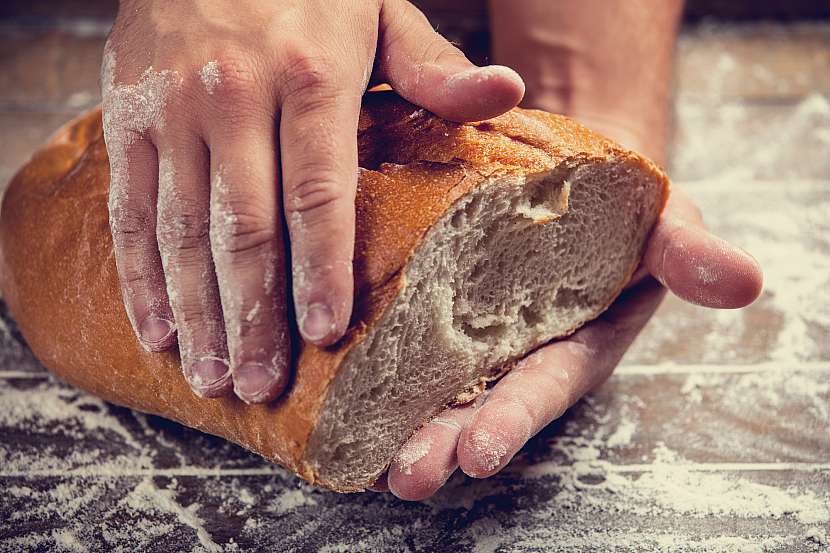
{"x":708,"y":271}
{"x":484,"y":452}
{"x":412,"y":452}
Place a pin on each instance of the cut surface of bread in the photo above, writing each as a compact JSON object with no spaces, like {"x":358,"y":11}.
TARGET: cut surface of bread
{"x":475,"y":244}
{"x":515,"y":262}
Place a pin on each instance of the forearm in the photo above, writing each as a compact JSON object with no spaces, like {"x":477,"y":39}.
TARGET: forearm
{"x":606,"y":63}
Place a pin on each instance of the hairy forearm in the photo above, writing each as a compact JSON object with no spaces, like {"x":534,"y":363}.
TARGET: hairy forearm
{"x":607,"y":63}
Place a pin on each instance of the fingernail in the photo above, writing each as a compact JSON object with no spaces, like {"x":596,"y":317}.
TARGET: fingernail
{"x":208,"y":374}
{"x":154,"y":330}
{"x":254,"y":382}
{"x":318,"y":322}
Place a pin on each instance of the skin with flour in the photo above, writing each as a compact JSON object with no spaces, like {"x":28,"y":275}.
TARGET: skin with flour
{"x":199,"y":199}
{"x":266,"y":98}
{"x":607,"y":64}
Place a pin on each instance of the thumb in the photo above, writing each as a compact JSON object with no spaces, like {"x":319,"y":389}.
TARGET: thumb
{"x":426,"y":69}
{"x":696,"y":265}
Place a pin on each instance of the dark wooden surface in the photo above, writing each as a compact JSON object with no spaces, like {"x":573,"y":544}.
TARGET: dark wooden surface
{"x":714,"y":435}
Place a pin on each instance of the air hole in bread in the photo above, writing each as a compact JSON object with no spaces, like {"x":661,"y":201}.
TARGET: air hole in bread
{"x":530,"y":315}
{"x":546,"y":201}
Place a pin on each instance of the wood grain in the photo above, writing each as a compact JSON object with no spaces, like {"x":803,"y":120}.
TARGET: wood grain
{"x":735,"y":401}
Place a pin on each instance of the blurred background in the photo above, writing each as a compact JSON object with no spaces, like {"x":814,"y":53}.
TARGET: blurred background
{"x":712,"y":436}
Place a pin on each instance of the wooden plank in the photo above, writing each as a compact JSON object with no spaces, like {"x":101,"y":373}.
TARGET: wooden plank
{"x":761,"y":62}
{"x":752,"y":9}
{"x":21,"y":134}
{"x":741,"y":141}
{"x":754,"y":418}
{"x":608,"y":513}
{"x":52,"y":10}
{"x":49,"y":70}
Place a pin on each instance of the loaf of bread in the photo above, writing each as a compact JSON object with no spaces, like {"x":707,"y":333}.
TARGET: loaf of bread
{"x":476,"y":243}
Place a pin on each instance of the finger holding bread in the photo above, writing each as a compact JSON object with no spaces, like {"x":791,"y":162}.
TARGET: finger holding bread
{"x":696,"y":265}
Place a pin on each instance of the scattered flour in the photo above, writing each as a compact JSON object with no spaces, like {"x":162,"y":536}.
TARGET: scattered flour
{"x":51,"y":409}
{"x":692,"y":388}
{"x":147,"y":497}
{"x":66,"y":539}
{"x":671,"y":485}
{"x":681,"y":490}
{"x":816,"y":536}
{"x":626,"y":425}
{"x":254,"y":312}
{"x":479,"y":75}
{"x":130,"y":111}
{"x":292,"y":499}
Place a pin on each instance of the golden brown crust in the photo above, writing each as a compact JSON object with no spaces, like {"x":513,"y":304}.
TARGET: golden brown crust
{"x":60,"y":282}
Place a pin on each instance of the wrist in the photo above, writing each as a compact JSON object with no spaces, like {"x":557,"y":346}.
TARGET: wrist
{"x":607,"y":64}
{"x":640,"y":123}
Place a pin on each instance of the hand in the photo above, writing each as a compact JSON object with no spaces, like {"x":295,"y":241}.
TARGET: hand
{"x":482,"y":437}
{"x":226,"y":120}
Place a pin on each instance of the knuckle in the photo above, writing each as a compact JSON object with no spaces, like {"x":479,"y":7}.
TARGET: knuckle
{"x":438,"y":49}
{"x":697,"y":213}
{"x":238,"y":227}
{"x":239,"y":87}
{"x":254,"y":326}
{"x":190,"y":315}
{"x":308,"y":76}
{"x":315,"y":192}
{"x":129,"y":224}
{"x":181,"y":229}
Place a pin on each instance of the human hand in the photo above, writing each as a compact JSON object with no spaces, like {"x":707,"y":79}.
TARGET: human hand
{"x":481,"y":437}
{"x":608,"y":65}
{"x":225,"y":120}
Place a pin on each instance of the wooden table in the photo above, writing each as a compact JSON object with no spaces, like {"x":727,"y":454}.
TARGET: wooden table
{"x":714,"y":434}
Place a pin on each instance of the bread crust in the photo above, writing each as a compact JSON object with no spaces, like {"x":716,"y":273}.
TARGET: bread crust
{"x":59,"y":278}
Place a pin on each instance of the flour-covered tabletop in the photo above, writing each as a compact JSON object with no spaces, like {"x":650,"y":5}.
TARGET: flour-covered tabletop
{"x":713,"y":435}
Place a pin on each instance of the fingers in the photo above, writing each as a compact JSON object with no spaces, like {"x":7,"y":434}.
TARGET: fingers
{"x":428,"y":458}
{"x":423,"y":67}
{"x":132,"y":214}
{"x":319,"y":161}
{"x":696,"y":265}
{"x":248,"y":253}
{"x":550,"y":380}
{"x":182,"y":232}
